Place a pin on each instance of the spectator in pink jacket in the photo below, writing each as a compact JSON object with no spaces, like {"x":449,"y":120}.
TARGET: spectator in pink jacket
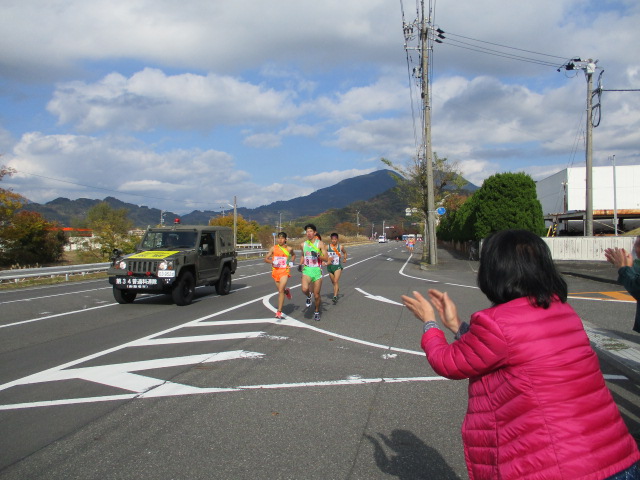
{"x":538,"y":404}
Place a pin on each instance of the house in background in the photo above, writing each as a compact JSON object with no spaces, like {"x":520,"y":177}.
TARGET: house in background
{"x":563,"y":199}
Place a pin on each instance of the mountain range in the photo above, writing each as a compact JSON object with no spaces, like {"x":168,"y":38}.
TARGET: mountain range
{"x":362,"y":188}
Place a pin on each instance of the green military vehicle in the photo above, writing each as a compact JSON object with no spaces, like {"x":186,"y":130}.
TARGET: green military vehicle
{"x":174,"y":260}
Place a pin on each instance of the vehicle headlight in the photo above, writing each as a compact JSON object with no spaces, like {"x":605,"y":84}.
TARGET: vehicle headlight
{"x":122,"y":264}
{"x":166,"y":265}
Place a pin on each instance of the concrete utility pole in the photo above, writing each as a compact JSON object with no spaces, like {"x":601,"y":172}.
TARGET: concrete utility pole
{"x":588,"y":224}
{"x":429,"y":254}
{"x":615,"y":199}
{"x":589,"y":67}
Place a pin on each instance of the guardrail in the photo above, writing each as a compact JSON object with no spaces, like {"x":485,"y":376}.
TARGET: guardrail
{"x":50,"y":272}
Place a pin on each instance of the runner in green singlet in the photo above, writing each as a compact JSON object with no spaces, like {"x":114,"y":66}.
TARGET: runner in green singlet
{"x":337,"y":256}
{"x":314,"y":252}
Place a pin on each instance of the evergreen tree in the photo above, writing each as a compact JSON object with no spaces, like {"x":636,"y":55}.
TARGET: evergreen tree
{"x":507,"y":200}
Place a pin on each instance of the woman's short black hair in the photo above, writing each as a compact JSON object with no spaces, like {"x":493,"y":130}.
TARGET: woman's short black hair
{"x":517,"y":263}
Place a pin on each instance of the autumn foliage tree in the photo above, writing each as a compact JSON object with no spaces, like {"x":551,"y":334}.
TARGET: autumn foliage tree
{"x":10,"y":202}
{"x":26,"y":238}
{"x":29,"y":240}
{"x":246,"y":229}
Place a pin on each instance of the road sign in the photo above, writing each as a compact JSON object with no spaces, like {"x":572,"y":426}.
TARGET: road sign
{"x":441,"y":211}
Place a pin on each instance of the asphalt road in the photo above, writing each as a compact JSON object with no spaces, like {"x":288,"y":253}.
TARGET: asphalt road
{"x":220,"y":389}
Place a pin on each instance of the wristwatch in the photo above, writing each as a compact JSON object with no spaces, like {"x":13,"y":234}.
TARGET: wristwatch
{"x":427,"y":325}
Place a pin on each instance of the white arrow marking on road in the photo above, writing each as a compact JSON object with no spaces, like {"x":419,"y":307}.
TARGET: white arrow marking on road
{"x":119,"y":374}
{"x":378,"y":297}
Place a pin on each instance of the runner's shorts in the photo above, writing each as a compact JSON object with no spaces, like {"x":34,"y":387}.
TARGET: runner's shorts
{"x":333,"y":268}
{"x":314,"y":273}
{"x":278,"y":273}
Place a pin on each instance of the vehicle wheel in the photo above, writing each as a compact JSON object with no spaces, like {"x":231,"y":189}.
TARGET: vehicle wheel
{"x":123,"y":296}
{"x":223,"y":287}
{"x":184,"y":289}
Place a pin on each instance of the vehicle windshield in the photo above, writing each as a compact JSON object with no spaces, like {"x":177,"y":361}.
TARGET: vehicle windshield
{"x":168,"y":240}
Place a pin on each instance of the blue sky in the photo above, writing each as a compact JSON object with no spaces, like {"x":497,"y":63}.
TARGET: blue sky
{"x":184,"y":105}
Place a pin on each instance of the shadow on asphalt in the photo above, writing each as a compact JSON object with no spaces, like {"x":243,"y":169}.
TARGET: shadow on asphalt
{"x":411,"y":458}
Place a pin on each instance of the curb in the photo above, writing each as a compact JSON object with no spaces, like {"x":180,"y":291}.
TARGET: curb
{"x":625,"y":355}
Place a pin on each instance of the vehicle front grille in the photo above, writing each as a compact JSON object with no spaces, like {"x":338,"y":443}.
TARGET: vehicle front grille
{"x":142,"y":266}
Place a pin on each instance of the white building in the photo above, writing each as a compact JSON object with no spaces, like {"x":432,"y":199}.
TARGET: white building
{"x":563,"y":196}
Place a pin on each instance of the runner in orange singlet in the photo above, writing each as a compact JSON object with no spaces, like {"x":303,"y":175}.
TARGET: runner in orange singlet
{"x":281,"y":257}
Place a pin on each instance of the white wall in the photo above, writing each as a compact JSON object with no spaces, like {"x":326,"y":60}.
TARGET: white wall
{"x":585,"y":248}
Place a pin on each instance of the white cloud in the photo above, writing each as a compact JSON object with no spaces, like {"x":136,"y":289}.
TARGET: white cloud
{"x":380,"y":97}
{"x":151,"y":99}
{"x":99,"y":167}
{"x":144,"y":86}
{"x":228,"y":37}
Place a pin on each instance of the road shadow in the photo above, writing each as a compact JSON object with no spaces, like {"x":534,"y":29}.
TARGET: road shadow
{"x":411,"y":458}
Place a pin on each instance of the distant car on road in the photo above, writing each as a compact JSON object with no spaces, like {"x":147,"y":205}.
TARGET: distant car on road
{"x":382,"y":239}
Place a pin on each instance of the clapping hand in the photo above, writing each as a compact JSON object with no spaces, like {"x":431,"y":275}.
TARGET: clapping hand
{"x":618,"y":257}
{"x":423,"y":309}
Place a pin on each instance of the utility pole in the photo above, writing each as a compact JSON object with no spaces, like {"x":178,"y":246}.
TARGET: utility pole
{"x":588,"y":224}
{"x":357,"y":223}
{"x":430,"y":255}
{"x":235,"y":223}
{"x":615,"y":201}
{"x":589,"y":67}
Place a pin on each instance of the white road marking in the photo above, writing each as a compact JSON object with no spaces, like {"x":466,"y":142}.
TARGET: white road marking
{"x":608,"y":376}
{"x":378,"y":297}
{"x":119,"y":375}
{"x":401,"y":272}
{"x":122,"y":376}
{"x":292,"y":322}
{"x":30,"y":299}
{"x":56,"y":315}
{"x":601,"y":299}
{"x":174,"y":389}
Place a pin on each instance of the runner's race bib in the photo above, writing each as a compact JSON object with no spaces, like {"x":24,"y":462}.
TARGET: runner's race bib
{"x":279,"y":262}
{"x":311,"y":259}
{"x":334,"y":258}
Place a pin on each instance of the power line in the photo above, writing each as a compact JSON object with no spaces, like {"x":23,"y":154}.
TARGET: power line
{"x":497,"y":53}
{"x":506,"y":46}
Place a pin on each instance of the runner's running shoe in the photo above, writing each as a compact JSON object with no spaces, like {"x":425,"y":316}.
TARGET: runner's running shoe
{"x":279,"y":315}
{"x":287,"y":292}
{"x":316,"y":316}
{"x":308,"y":302}
{"x":335,"y":300}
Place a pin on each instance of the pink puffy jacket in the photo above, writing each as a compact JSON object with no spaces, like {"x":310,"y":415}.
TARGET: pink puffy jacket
{"x":538,"y":404}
